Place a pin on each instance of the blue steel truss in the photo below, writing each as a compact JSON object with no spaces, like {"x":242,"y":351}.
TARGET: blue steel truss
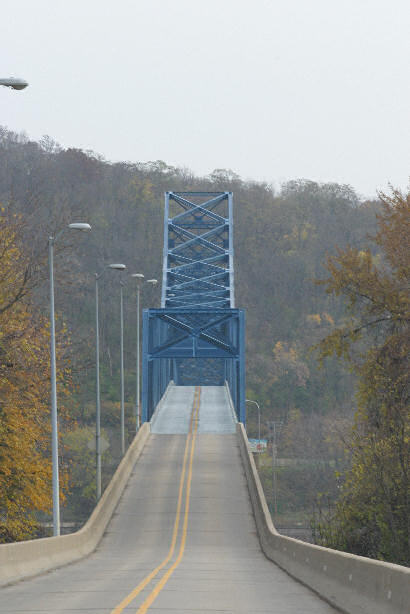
{"x":197,"y":337}
{"x":198,"y":250}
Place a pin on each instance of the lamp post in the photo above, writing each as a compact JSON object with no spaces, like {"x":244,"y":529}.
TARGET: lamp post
{"x":139,"y":277}
{"x":118,"y":267}
{"x":54,"y":426}
{"x":122,"y":368}
{"x":14,"y":83}
{"x":259,"y":417}
{"x":121,"y":267}
{"x":275,"y":426}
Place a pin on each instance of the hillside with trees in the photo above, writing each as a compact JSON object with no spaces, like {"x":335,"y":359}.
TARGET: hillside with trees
{"x":282,"y":241}
{"x":371,"y":516}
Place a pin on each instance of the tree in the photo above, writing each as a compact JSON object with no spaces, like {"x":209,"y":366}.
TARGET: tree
{"x":25,"y":466}
{"x":80,"y":457}
{"x":372,"y":514}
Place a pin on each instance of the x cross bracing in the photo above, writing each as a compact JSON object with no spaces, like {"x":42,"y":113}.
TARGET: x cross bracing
{"x":219,"y":345}
{"x":198,"y":250}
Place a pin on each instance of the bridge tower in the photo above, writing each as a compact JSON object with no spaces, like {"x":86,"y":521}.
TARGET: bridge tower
{"x":197,"y":336}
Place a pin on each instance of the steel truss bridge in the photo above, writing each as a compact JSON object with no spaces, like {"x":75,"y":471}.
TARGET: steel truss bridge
{"x":198,"y":336}
{"x":183,"y":525}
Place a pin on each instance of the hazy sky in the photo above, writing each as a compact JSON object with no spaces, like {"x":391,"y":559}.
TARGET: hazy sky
{"x":272,"y":89}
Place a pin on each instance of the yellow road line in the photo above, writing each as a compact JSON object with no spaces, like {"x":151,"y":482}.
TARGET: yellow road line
{"x":160,"y":585}
{"x":131,"y":596}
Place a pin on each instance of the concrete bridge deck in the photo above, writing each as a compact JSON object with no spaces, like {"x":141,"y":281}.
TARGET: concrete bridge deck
{"x":189,"y":484}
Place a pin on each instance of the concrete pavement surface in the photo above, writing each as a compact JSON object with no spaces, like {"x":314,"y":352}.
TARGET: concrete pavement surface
{"x":215,"y":413}
{"x":183,"y":539}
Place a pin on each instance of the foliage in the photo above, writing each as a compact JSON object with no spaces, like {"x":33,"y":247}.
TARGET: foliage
{"x":372,"y":513}
{"x":310,"y":449}
{"x":280,"y":244}
{"x":281,"y":238}
{"x":25,"y":468}
{"x":79,"y":457}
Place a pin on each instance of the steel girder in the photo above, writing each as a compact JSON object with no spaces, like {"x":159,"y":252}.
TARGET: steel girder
{"x":197,"y":337}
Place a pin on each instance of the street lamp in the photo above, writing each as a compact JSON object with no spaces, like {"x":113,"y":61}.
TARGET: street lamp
{"x":14,"y":83}
{"x":118,"y":267}
{"x":275,"y":426}
{"x":54,"y":427}
{"x":259,"y":417}
{"x":139,"y":277}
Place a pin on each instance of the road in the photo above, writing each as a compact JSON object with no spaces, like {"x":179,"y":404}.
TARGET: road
{"x":183,"y":538}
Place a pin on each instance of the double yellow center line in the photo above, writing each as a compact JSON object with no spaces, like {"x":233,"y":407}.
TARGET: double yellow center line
{"x":187,"y":463}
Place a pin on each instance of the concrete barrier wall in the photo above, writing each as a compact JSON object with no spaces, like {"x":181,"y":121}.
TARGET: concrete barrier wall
{"x":23,"y":559}
{"x":154,"y":416}
{"x":354,"y":584}
{"x":230,"y":402}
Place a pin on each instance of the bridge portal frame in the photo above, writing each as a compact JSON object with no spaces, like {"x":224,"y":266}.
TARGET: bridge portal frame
{"x":171,"y":337}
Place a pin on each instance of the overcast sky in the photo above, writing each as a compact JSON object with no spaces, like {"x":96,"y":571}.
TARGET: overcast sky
{"x":272,"y":89}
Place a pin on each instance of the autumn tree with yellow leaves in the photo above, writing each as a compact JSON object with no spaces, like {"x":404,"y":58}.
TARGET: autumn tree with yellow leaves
{"x":372,"y":514}
{"x":25,"y":465}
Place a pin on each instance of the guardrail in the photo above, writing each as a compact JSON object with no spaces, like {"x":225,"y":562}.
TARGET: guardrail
{"x":354,"y":584}
{"x":29,"y":558}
